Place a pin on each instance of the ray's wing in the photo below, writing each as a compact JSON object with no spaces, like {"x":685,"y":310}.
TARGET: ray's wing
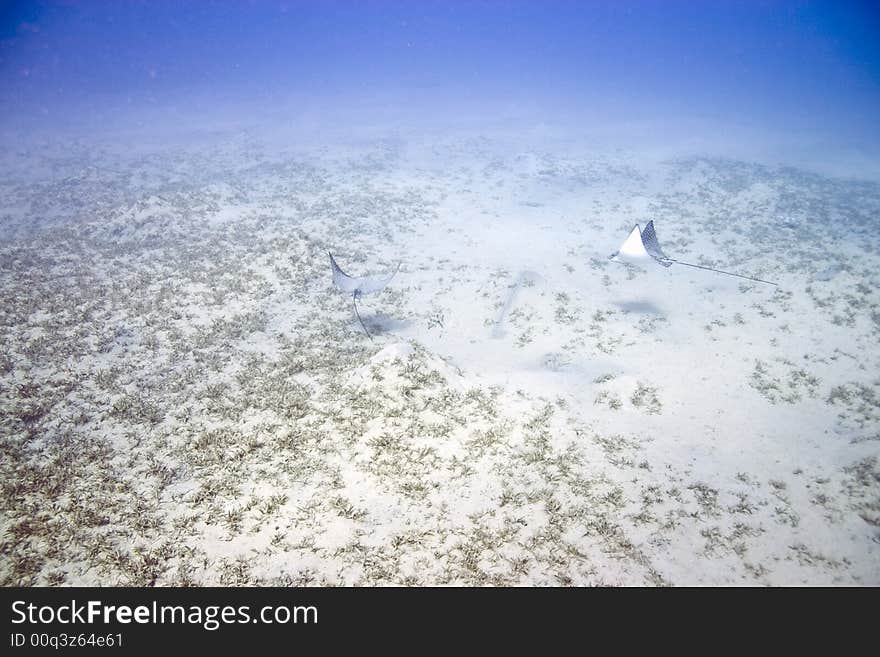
{"x":652,"y":245}
{"x":342,"y":280}
{"x":632,"y":249}
{"x":377,"y":283}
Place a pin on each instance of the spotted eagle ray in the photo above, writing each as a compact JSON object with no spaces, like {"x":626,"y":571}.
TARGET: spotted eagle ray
{"x":359,"y":286}
{"x":642,"y":246}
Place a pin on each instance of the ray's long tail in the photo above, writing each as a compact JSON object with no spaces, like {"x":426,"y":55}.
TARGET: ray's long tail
{"x":718,"y":271}
{"x":354,"y":300}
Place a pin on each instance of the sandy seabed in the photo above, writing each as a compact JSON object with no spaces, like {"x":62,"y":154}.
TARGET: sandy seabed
{"x":186,"y":400}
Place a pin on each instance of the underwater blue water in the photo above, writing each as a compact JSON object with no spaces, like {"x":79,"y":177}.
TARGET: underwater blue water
{"x":808,"y":69}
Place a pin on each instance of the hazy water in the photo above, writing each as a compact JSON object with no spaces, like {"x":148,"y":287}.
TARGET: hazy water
{"x":797,"y":80}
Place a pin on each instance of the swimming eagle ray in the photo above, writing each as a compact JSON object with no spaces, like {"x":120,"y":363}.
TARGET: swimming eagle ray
{"x":357,"y":287}
{"x":643,"y":245}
